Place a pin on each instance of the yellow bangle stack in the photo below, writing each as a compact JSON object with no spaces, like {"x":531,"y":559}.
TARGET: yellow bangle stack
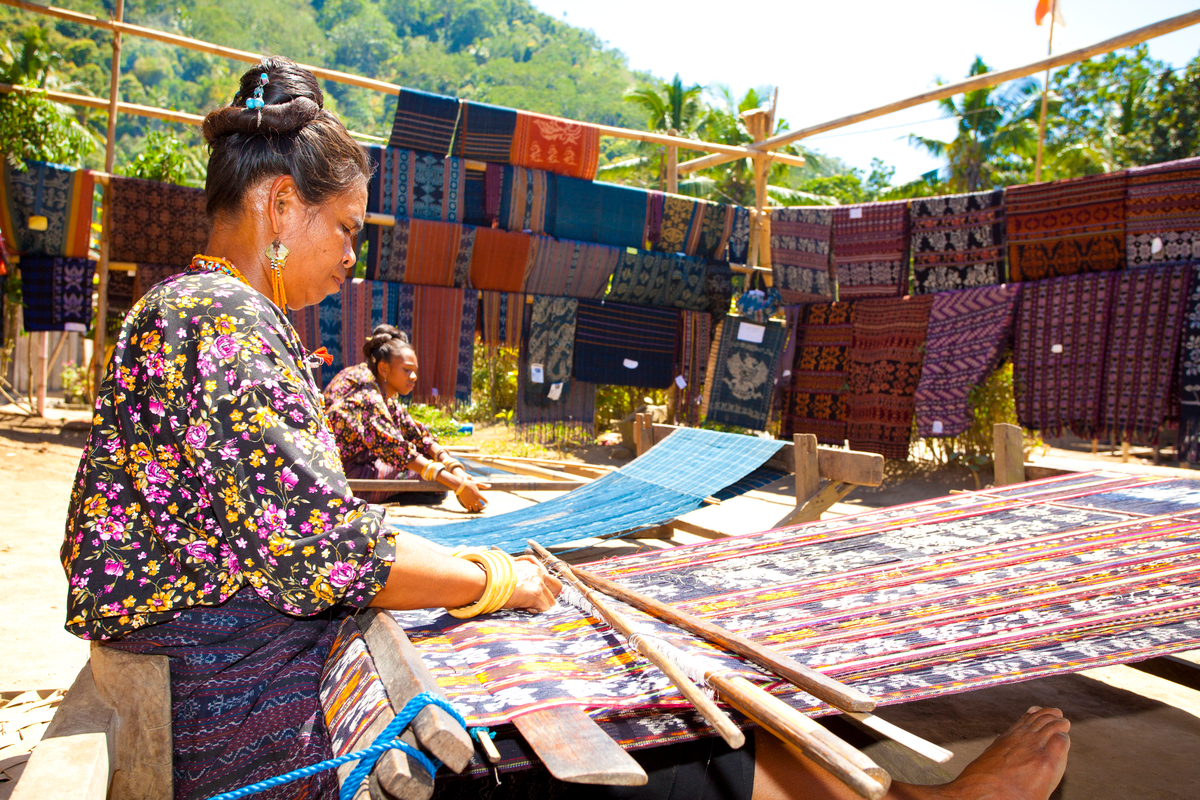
{"x":501,"y":572}
{"x":431,"y":470}
{"x":461,"y":487}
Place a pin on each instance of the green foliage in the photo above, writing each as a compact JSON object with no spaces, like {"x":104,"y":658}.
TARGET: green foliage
{"x":493,"y":384}
{"x":76,"y":382}
{"x":164,"y":158}
{"x":614,"y":403}
{"x":443,"y":426}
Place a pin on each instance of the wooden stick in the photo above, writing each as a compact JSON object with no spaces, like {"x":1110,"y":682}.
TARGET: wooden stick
{"x":837,"y":694}
{"x":707,"y":708}
{"x":897,"y":734}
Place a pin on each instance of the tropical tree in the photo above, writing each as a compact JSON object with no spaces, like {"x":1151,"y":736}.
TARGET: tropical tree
{"x":670,"y":106}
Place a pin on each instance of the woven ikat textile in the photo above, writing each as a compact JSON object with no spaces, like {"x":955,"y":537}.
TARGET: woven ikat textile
{"x":800,"y":253}
{"x":1066,"y":227}
{"x":957,"y":241}
{"x":1189,"y":375}
{"x":63,"y":195}
{"x":740,"y":380}
{"x":814,"y":398}
{"x":870,"y":250}
{"x":623,"y":345}
{"x":1162,"y":202}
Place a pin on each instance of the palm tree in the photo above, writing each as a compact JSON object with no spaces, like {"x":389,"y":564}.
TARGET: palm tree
{"x":670,"y":106}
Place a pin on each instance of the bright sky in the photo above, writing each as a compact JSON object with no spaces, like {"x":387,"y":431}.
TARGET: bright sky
{"x":832,"y":59}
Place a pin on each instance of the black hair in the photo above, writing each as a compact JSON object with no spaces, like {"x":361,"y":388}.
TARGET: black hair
{"x":292,"y":134}
{"x":385,"y":343}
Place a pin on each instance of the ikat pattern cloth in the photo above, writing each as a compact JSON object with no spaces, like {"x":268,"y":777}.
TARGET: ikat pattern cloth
{"x":742,"y":365}
{"x":800,"y":253}
{"x":57,"y":293}
{"x":814,"y":396}
{"x":63,"y":195}
{"x":870,"y":249}
{"x":1189,"y":374}
{"x":957,"y":241}
{"x":1162,"y":214}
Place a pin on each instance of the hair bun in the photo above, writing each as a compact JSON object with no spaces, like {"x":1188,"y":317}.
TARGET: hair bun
{"x":292,"y":98}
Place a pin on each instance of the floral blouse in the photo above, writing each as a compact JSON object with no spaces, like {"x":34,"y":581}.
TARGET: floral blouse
{"x":367,"y":427}
{"x":210,"y":466}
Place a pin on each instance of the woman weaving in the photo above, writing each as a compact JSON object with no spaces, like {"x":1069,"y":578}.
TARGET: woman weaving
{"x":376,"y":435}
{"x":210,"y":519}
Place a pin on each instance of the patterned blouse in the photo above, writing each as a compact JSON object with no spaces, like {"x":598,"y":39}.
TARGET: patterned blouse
{"x":209,"y":466}
{"x":367,"y":427}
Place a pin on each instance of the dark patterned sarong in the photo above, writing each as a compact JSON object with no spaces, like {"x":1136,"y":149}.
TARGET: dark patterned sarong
{"x":800,"y":253}
{"x":623,"y":345}
{"x":602,"y":213}
{"x":742,"y":364}
{"x":485,"y":132}
{"x":668,"y":280}
{"x":57,"y":293}
{"x":63,"y":195}
{"x":156,"y":223}
{"x":424,"y":121}
{"x":957,"y":241}
{"x":1189,"y":374}
{"x":1162,"y":202}
{"x":814,"y":396}
{"x":550,"y":348}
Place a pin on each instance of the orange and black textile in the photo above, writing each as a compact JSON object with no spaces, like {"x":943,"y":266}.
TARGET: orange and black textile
{"x":1163,"y":202}
{"x":814,"y":394}
{"x":1066,"y":227}
{"x":883,"y":367}
{"x":957,"y":241}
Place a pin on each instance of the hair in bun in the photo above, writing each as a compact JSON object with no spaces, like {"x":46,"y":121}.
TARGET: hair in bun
{"x":385,"y":343}
{"x":291,"y":134}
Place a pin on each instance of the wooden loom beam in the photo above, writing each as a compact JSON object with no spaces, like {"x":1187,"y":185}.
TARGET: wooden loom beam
{"x":110,"y":154}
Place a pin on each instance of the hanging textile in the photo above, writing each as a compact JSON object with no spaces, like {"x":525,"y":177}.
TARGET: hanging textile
{"x":63,"y":195}
{"x":718,"y":288}
{"x":739,"y":383}
{"x":417,"y":185}
{"x":968,"y":331}
{"x":870,"y":249}
{"x":557,"y":145}
{"x":551,"y":349}
{"x":814,"y":398}
{"x":485,"y":132}
{"x":1162,"y":202}
{"x":148,"y":275}
{"x":660,"y":279}
{"x":695,"y":340}
{"x":441,"y":326}
{"x":569,"y":417}
{"x":883,"y":369}
{"x":714,"y":231}
{"x":475,"y":200}
{"x":1059,"y":352}
{"x":564,"y":268}
{"x":1066,"y":227}
{"x":525,"y":199}
{"x":800,"y":253}
{"x":738,"y":250}
{"x":156,"y":223}
{"x":57,"y":293}
{"x":1188,"y":444}
{"x":624,"y":345}
{"x":500,"y":318}
{"x":500,"y":259}
{"x":428,"y":253}
{"x":783,"y":370}
{"x":1147,"y":321}
{"x":121,"y":288}
{"x":307,"y":324}
{"x":424,"y":121}
{"x":957,"y":241}
{"x":679,"y":216}
{"x":601,"y":213}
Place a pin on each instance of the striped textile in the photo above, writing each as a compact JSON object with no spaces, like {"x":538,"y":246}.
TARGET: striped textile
{"x":500,"y":259}
{"x":572,"y":416}
{"x":1162,"y":202}
{"x":500,"y":318}
{"x":957,"y":241}
{"x":800,"y":253}
{"x":562,"y":146}
{"x":814,"y":399}
{"x":740,"y":379}
{"x":56,"y":293}
{"x":968,"y":331}
{"x":428,"y":253}
{"x":352,"y":693}
{"x":667,"y":280}
{"x":1060,"y":347}
{"x":1147,"y":321}
{"x":695,"y":340}
{"x":550,"y":348}
{"x":441,"y":326}
{"x":63,"y":195}
{"x":870,"y":249}
{"x":156,"y":223}
{"x":523,"y":199}
{"x":409,"y":183}
{"x":601,"y":213}
{"x":475,"y":200}
{"x":565,"y":268}
{"x":1066,"y":227}
{"x":485,"y":132}
{"x":1188,"y":444}
{"x":624,"y":345}
{"x":424,"y":121}
{"x":883,"y":368}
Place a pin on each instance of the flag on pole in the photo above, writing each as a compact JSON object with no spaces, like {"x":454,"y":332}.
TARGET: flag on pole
{"x":1050,"y":7}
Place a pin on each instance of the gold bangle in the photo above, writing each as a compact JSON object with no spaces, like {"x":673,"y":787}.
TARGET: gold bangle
{"x":458,"y":492}
{"x":501,"y":570}
{"x":431,"y":470}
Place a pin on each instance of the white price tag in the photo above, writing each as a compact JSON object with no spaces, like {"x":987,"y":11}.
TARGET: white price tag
{"x":856,"y":213}
{"x":1156,"y":246}
{"x":680,"y":382}
{"x":537,"y":373}
{"x":75,"y":327}
{"x":555,"y":391}
{"x":937,"y":426}
{"x":1056,"y":348}
{"x":630,"y":363}
{"x":749,"y":332}
{"x":787,"y":373}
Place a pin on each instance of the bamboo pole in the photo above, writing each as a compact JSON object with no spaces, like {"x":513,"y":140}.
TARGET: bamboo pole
{"x":110,"y":156}
{"x":1037,"y":164}
{"x":672,"y":169}
{"x":43,"y":367}
{"x":984,"y":81}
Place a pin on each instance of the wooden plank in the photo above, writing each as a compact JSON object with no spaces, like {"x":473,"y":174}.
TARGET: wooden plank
{"x":1010,"y":454}
{"x":850,"y":466}
{"x":572,"y":467}
{"x":404,"y":675}
{"x":833,"y":492}
{"x":498,"y":485}
{"x":577,"y":750}
{"x":138,"y":687}
{"x":531,"y":469}
{"x":808,"y":475}
{"x":1171,"y":668}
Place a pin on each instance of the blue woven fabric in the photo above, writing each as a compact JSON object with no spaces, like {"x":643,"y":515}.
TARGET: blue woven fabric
{"x":673,"y":478}
{"x":601,"y":213}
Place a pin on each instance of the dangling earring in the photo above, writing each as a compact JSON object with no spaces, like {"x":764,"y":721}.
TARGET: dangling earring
{"x":278,"y":254}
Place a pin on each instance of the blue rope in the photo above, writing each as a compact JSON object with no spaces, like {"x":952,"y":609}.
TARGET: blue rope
{"x":388,"y":739}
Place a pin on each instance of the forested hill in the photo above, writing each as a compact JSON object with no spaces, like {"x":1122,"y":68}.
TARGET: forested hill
{"x":498,"y":51}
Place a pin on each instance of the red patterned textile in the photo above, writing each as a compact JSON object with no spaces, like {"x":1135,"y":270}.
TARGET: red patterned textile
{"x":870,"y":249}
{"x":1066,"y":227}
{"x":1163,"y":202}
{"x":814,"y":397}
{"x":562,"y":146}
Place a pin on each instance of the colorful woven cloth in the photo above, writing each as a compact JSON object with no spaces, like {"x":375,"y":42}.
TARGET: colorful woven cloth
{"x":695,"y":340}
{"x":500,"y":318}
{"x":870,"y":249}
{"x":63,"y":195}
{"x":883,"y":369}
{"x":409,"y":183}
{"x":564,"y":268}
{"x":800,"y":253}
{"x":441,"y":326}
{"x":572,"y":415}
{"x":551,"y":349}
{"x":1188,"y":445}
{"x":427,"y":253}
{"x":718,"y":287}
{"x":156,"y":223}
{"x":667,"y":280}
{"x":500,"y":259}
{"x":475,"y":200}
{"x":814,"y":398}
{"x":1163,"y":202}
{"x":424,"y":121}
{"x":738,"y":250}
{"x":957,"y":241}
{"x":679,"y":217}
{"x":525,"y":199}
{"x":1059,"y":352}
{"x":557,"y":145}
{"x":1066,"y":227}
{"x":740,"y":379}
{"x":1147,"y":320}
{"x":148,"y":275}
{"x":57,"y":293}
{"x":968,"y":331}
{"x":352,"y":695}
{"x":624,"y":345}
{"x":601,"y":213}
{"x":485,"y":132}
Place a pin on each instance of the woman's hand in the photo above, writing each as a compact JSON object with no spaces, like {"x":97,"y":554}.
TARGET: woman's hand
{"x":536,"y":588}
{"x":470,"y":496}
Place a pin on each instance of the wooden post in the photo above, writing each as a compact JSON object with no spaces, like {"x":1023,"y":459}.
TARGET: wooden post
{"x":672,"y":169}
{"x":637,"y":434}
{"x":43,"y":368}
{"x":110,"y":156}
{"x":1124,"y":451}
{"x":808,"y":474}
{"x":1010,"y":454}
{"x":645,"y":434}
{"x":1037,"y":164}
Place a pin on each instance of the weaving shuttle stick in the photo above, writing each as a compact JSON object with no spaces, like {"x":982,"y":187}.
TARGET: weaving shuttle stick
{"x":936,"y":754}
{"x":833,"y":692}
{"x":720,"y":721}
{"x":575,"y":749}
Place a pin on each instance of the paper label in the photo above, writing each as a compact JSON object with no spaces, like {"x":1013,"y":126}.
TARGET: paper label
{"x":787,"y":373}
{"x":1156,"y":246}
{"x":633,"y":251}
{"x":856,"y":213}
{"x":630,"y":363}
{"x":1056,"y":348}
{"x":937,"y":426}
{"x":434,"y":391}
{"x":75,"y":327}
{"x":555,"y":391}
{"x":749,"y":332}
{"x":536,"y":373}
{"x":680,"y":382}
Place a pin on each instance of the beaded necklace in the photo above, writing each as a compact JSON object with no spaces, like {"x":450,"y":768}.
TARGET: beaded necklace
{"x":213,"y":264}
